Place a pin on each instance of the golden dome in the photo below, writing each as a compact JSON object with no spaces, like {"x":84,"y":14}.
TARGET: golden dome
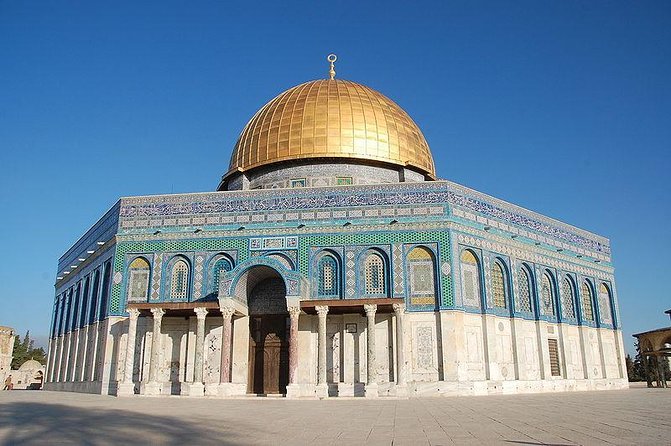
{"x":331,"y":118}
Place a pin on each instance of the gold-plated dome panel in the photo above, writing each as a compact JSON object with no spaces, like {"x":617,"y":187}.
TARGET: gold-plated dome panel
{"x":331,"y":119}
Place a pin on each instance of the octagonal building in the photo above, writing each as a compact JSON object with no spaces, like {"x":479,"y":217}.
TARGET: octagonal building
{"x":331,"y":261}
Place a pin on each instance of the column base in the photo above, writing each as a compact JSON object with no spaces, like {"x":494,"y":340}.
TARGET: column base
{"x":350,"y":389}
{"x":401,"y":391}
{"x":293,"y":391}
{"x":125,"y":389}
{"x":370,"y":391}
{"x":224,"y":390}
{"x":151,"y":388}
{"x":322,"y":391}
{"x":192,"y":389}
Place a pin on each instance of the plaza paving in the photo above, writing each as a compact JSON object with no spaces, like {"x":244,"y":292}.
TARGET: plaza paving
{"x":634,"y":416}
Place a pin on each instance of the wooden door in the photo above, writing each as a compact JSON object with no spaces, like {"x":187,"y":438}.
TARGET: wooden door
{"x":268,"y":355}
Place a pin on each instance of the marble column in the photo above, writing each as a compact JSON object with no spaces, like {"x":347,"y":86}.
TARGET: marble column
{"x":201,"y":313}
{"x":126,"y":386}
{"x":371,"y":381}
{"x":322,"y":385}
{"x":225,"y":364}
{"x":401,"y":388}
{"x":293,"y":388}
{"x":197,"y":387}
{"x":153,"y":387}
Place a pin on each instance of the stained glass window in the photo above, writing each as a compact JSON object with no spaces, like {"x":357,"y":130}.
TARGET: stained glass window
{"x":587,"y":310}
{"x":221,"y":265}
{"x":568,"y":299}
{"x":179,"y":284}
{"x":470,"y":279}
{"x":139,"y":279}
{"x":374,"y":275}
{"x":605,"y":308}
{"x":422,"y":281}
{"x":524,"y":290}
{"x":328,"y":277}
{"x":498,"y":286}
{"x":547,"y":295}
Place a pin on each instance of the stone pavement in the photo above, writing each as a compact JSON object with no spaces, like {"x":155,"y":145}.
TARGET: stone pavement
{"x":635,"y":416}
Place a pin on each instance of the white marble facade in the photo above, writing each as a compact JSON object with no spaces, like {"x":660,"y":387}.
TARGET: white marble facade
{"x":444,"y":353}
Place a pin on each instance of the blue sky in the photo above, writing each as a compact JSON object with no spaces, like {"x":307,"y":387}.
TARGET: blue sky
{"x":561,"y":107}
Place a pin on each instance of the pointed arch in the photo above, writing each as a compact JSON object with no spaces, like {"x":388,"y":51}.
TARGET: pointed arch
{"x":373,"y":273}
{"x":548,"y":294}
{"x":138,"y":282}
{"x":605,"y":304}
{"x":328,"y":276}
{"x":421,"y":268}
{"x":470,"y":278}
{"x":587,"y":301}
{"x":499,"y":284}
{"x":180,"y":276}
{"x":219,"y":263}
{"x":524,"y":289}
{"x":568,"y":298}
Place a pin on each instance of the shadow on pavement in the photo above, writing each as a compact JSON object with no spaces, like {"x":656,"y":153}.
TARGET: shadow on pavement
{"x":36,"y":423}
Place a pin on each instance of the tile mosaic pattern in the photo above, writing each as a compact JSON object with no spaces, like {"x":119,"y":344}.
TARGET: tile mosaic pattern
{"x":397,"y":267}
{"x":181,"y":210}
{"x":155,"y":281}
{"x":198,"y":273}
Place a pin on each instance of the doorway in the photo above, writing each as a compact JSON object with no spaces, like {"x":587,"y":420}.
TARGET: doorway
{"x":268,"y":354}
{"x":268,"y":333}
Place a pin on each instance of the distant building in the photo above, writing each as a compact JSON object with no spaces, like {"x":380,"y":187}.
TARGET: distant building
{"x":331,"y":261}
{"x":29,"y":375}
{"x":654,"y":345}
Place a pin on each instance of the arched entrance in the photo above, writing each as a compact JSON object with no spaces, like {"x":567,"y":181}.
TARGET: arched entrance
{"x":268,"y":331}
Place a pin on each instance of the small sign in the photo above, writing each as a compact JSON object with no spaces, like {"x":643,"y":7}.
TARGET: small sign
{"x":350,"y":328}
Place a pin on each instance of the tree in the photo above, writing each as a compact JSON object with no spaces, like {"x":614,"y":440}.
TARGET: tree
{"x":24,"y":350}
{"x":632,"y":370}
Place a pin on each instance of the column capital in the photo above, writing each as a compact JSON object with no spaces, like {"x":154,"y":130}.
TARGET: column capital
{"x":201,"y":312}
{"x":133,"y":313}
{"x":227,"y":312}
{"x":370,"y":309}
{"x":157,"y":312}
{"x":294,"y":311}
{"x":399,"y":309}
{"x":322,"y":310}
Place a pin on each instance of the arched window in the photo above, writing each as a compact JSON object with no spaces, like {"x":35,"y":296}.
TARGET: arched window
{"x":94,"y":297}
{"x":54,"y":326}
{"x":567,"y":298}
{"x":470,"y":279}
{"x":587,"y":310}
{"x":68,"y":313}
{"x":422,"y":272}
{"x":139,"y":280}
{"x":104,"y":293}
{"x":179,"y":280}
{"x":75,"y":312}
{"x":547,"y":295}
{"x":605,"y":309}
{"x":524,"y":290}
{"x":85,"y":302}
{"x":221,"y":265}
{"x":498,"y":285}
{"x":329,"y":283}
{"x":374,"y":275}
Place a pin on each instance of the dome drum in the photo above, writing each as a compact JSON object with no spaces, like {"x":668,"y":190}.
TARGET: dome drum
{"x":330,"y":120}
{"x":319,"y":172}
